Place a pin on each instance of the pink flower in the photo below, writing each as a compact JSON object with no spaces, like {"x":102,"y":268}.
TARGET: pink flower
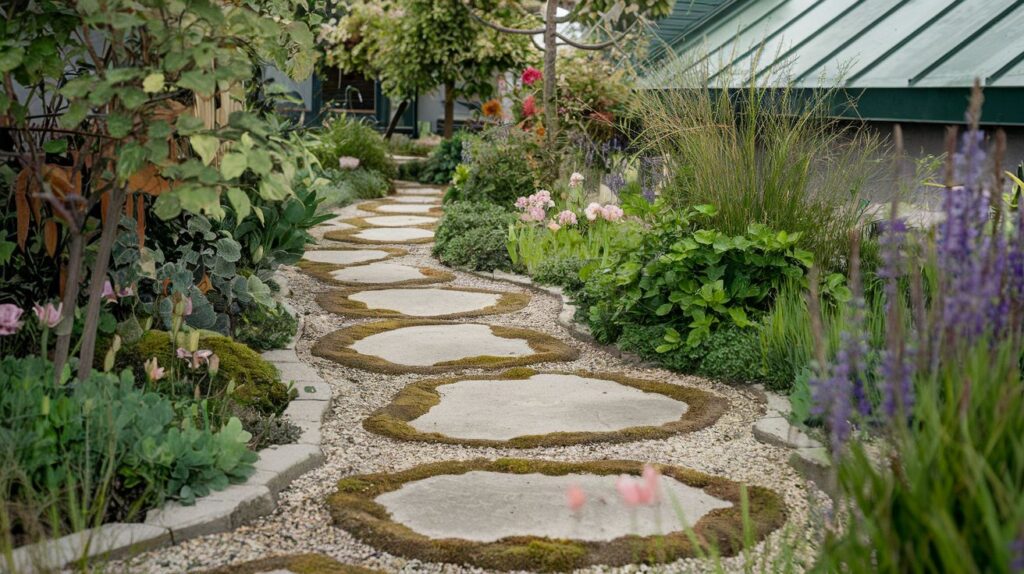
{"x":611,"y":212}
{"x":535,"y":206}
{"x":125,"y":291}
{"x":108,"y":292}
{"x":195,"y":358}
{"x":635,"y":492}
{"x":575,"y":498}
{"x":154,"y":372}
{"x":188,"y":307}
{"x":592,"y":211}
{"x":567,"y":217}
{"x":522,"y":202}
{"x":531,"y":75}
{"x":9,"y":315}
{"x":49,"y":316}
{"x":576,"y":179}
{"x":554,"y":226}
{"x":529,"y":106}
{"x":652,"y":480}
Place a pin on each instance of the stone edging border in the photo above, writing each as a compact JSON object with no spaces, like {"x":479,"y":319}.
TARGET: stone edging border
{"x":337,"y":301}
{"x":354,"y":508}
{"x":222,"y":510}
{"x":334,"y":346}
{"x":416,"y":399}
{"x":810,"y":458}
{"x":322,"y":271}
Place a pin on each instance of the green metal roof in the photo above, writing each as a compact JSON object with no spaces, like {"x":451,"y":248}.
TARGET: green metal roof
{"x":905,"y":60}
{"x":686,"y":16}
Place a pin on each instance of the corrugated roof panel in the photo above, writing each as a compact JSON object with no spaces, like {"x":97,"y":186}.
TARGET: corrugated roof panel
{"x":994,"y":48}
{"x":931,"y":43}
{"x":1012,"y":77}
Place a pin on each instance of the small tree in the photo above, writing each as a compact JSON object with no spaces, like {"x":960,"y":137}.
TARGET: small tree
{"x":617,"y":17}
{"x":413,"y":46}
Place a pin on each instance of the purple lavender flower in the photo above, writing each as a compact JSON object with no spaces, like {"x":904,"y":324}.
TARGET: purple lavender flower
{"x":1017,"y":555}
{"x":615,"y":182}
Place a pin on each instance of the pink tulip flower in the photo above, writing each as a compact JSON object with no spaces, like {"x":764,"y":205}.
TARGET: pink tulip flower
{"x":48,"y":315}
{"x":9,"y":319}
{"x":575,"y":498}
{"x":154,"y":372}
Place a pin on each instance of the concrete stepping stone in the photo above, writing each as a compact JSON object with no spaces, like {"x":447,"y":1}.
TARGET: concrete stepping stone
{"x":512,"y":514}
{"x":522,"y":408}
{"x":405,"y":208}
{"x":345,"y":256}
{"x":399,"y":220}
{"x":432,"y":302}
{"x":436,"y":346}
{"x":414,"y":199}
{"x":379,"y":273}
{"x":418,"y":191}
{"x":486,"y":506}
{"x":383,"y":235}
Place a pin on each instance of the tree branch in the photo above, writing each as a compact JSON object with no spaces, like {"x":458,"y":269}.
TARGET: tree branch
{"x":505,"y":29}
{"x":598,"y":46}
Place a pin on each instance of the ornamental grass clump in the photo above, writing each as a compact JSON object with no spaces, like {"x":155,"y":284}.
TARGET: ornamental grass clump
{"x":928,"y":428}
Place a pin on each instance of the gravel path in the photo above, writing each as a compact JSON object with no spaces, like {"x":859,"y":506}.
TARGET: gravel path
{"x":301,"y":523}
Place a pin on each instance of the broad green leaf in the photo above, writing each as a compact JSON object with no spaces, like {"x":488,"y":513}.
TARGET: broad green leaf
{"x":229,"y":249}
{"x":233,"y":165}
{"x":119,"y":125}
{"x":240,"y":202}
{"x":153,"y":83}
{"x":10,"y":58}
{"x":206,"y":146}
{"x":664,"y":309}
{"x":167,"y":206}
{"x":56,"y":146}
{"x":131,"y":159}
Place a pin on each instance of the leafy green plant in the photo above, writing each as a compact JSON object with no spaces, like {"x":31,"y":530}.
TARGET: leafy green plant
{"x":401,"y":144}
{"x":346,"y":136}
{"x":472,"y":236}
{"x":264,"y":328}
{"x":440,"y":166}
{"x":692,"y":279}
{"x":560,"y":271}
{"x":499,"y":173}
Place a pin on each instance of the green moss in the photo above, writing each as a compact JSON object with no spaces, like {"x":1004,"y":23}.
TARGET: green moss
{"x":417,"y":399}
{"x":358,"y":513}
{"x":257,"y":384}
{"x":299,"y":564}
{"x":336,"y":346}
{"x":339,"y":302}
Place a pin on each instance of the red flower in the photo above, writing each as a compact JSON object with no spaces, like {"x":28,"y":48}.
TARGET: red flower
{"x":529,"y":106}
{"x":531,"y":75}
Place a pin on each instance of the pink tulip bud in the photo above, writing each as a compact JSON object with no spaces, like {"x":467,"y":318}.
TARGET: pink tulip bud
{"x":48,"y":315}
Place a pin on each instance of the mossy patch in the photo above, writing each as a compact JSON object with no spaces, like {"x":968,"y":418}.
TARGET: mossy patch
{"x":339,"y":302}
{"x":349,"y":236}
{"x":357,"y":511}
{"x":299,"y":564}
{"x":374,"y":207}
{"x":417,"y":399}
{"x":322,"y":271}
{"x":336,"y":347}
{"x":257,"y":383}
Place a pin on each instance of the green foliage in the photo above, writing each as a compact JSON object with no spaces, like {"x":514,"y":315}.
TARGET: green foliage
{"x":256,"y":382}
{"x":498,"y":174}
{"x":730,"y":353}
{"x":692,"y":279}
{"x":347,"y":136}
{"x":264,"y":328}
{"x":440,"y":166}
{"x":269,"y":430}
{"x":563,"y":272}
{"x":592,"y":92}
{"x":342,"y":187}
{"x":401,"y":144}
{"x":473,"y":236}
{"x":103,"y":448}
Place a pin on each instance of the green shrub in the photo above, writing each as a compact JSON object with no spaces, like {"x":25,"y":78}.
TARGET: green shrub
{"x":473,"y":236}
{"x":263,"y":328}
{"x":401,"y":144}
{"x":346,"y":136}
{"x":498,"y":174}
{"x":440,"y":166}
{"x":257,"y":384}
{"x":563,"y":272}
{"x":412,"y":171}
{"x":102,"y":449}
{"x":346,"y":186}
{"x":269,"y":431}
{"x":730,"y":353}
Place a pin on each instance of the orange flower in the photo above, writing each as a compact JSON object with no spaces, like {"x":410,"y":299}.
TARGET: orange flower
{"x":492,"y":109}
{"x":540,"y":130}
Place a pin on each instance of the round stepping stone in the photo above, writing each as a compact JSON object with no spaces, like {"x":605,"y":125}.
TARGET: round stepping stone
{"x":525,"y":409}
{"x":418,"y":191}
{"x":404,"y":208}
{"x":399,"y":220}
{"x":436,"y":346}
{"x":486,"y":506}
{"x":413,"y":199}
{"x":345,"y":256}
{"x":383,"y":235}
{"x":380,"y":273}
{"x":511,"y":514}
{"x":433,"y":302}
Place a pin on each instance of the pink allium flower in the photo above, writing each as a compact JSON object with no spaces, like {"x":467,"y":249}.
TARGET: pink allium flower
{"x":9,"y":319}
{"x":611,"y":212}
{"x":154,"y":372}
{"x":553,"y":225}
{"x":529,"y":106}
{"x":576,"y":179}
{"x":48,"y":315}
{"x":522,"y":202}
{"x":567,"y":217}
{"x":575,"y":498}
{"x":592,"y":211}
{"x":108,"y":292}
{"x":535,"y":206}
{"x":531,"y":75}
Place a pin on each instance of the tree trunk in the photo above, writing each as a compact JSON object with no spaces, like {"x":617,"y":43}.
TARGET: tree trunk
{"x":550,"y":78}
{"x":395,"y":118}
{"x":70,"y":302}
{"x":99,"y":276}
{"x":449,"y":110}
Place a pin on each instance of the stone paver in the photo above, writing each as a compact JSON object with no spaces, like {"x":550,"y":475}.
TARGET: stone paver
{"x":418,"y":191}
{"x":408,"y":208}
{"x":392,"y":234}
{"x":426,"y":345}
{"x":374,"y":273}
{"x":399,"y":220}
{"x":486,"y":506}
{"x":431,"y":302}
{"x":499,"y":409}
{"x":345,"y":256}
{"x":415,"y":199}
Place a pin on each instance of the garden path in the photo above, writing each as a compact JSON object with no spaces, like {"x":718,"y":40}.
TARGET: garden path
{"x":419,"y":379}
